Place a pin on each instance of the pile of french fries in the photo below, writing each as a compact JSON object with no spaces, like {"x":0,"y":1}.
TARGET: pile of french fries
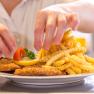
{"x":69,"y":57}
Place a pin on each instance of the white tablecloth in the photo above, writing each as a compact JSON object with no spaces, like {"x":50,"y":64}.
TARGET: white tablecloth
{"x":7,"y":87}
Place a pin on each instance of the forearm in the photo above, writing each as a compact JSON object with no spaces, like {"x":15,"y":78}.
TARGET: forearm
{"x":85,"y":12}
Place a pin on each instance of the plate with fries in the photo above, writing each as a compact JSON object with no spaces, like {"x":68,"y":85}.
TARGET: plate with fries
{"x":62,"y":64}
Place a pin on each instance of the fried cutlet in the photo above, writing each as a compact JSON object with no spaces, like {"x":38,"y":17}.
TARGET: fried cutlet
{"x":7,"y":65}
{"x":6,"y":61}
{"x":38,"y":71}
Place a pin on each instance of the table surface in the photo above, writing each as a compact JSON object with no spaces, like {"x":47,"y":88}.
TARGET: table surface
{"x":6,"y":87}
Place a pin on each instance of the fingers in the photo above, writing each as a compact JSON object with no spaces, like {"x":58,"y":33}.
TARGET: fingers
{"x":49,"y":31}
{"x":4,"y":49}
{"x":12,"y":38}
{"x":72,"y":20}
{"x":64,"y":22}
{"x":7,"y":41}
{"x":61,"y":27}
{"x":39,"y":30}
{"x":52,"y":25}
{"x":0,"y":54}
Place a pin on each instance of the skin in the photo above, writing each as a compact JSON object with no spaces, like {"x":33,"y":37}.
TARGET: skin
{"x":51,"y":22}
{"x":7,"y":40}
{"x":57,"y":18}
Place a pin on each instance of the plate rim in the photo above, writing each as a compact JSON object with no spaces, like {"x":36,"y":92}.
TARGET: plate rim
{"x":6,"y":75}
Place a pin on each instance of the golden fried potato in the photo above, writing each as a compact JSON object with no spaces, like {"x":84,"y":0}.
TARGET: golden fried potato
{"x":70,"y":71}
{"x":89,"y":59}
{"x":65,"y":66}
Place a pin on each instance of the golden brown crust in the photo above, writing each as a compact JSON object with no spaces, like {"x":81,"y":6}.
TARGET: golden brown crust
{"x":38,"y":71}
{"x":6,"y":61}
{"x":7,"y":65}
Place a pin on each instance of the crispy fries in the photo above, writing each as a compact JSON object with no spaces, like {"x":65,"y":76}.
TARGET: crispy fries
{"x":65,"y":66}
{"x":60,"y":62}
{"x":70,"y":71}
{"x":73,"y":49}
{"x":64,"y":52}
{"x":67,"y":34}
{"x":84,"y":65}
{"x":76,"y":69}
{"x":89,"y":59}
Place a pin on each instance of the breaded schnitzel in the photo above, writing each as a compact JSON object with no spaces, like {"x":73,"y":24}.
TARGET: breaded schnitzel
{"x":7,"y":65}
{"x":38,"y":71}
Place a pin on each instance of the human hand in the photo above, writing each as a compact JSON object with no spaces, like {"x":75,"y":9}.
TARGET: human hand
{"x":7,"y":41}
{"x":52,"y":22}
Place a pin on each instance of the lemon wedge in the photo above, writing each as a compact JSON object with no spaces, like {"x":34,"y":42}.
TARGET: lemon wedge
{"x":27,"y":62}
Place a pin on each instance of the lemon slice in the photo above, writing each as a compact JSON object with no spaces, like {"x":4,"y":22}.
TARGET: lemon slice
{"x":27,"y":62}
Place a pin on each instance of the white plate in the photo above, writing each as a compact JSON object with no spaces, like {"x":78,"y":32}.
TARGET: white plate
{"x":45,"y":81}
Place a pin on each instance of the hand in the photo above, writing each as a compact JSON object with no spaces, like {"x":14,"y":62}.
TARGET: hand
{"x":52,"y":22}
{"x":7,"y":41}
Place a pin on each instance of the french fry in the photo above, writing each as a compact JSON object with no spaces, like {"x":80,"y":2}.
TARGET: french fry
{"x":70,"y":42}
{"x":63,"y":47}
{"x":79,"y":50}
{"x":54,"y":58}
{"x":54,"y":48}
{"x":67,"y":34}
{"x":42,"y":53}
{"x":76,"y":61}
{"x":89,"y":59}
{"x":62,"y":53}
{"x":65,"y":66}
{"x":80,"y":55}
{"x":82,"y":41}
{"x":85,"y":71}
{"x":70,"y":71}
{"x":60,"y":62}
{"x":76,"y":69}
{"x":79,"y":60}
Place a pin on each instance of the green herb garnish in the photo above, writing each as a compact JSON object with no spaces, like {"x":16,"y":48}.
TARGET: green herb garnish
{"x":29,"y":53}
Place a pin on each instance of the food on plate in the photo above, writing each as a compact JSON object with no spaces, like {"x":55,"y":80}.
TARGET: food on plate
{"x":27,"y":62}
{"x":68,"y":58}
{"x":38,"y":70}
{"x":21,"y":52}
{"x":8,"y":65}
